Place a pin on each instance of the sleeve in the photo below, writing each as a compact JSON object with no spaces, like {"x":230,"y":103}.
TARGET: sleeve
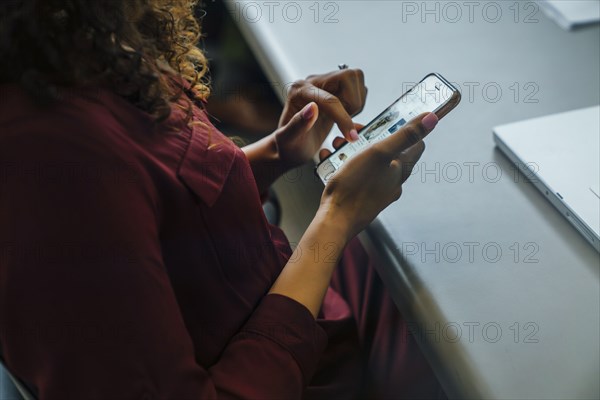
{"x":86,"y":307}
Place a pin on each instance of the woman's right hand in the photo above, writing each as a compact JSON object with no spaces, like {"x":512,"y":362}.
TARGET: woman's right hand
{"x":371,"y":180}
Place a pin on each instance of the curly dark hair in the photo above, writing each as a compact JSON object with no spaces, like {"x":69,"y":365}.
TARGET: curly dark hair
{"x":139,"y":48}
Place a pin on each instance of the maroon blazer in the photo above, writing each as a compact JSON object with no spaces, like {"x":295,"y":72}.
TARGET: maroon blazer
{"x":135,"y":263}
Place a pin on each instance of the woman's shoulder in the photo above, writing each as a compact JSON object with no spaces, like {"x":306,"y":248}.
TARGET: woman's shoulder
{"x":71,"y":146}
{"x":90,"y":118}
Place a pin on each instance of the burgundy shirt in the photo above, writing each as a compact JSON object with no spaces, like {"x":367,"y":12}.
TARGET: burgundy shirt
{"x":135,"y":262}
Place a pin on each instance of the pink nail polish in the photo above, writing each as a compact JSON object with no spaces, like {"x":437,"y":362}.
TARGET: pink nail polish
{"x":430,"y":121}
{"x":354,"y":135}
{"x":308,"y":111}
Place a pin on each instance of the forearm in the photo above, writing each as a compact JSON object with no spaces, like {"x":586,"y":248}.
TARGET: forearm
{"x":265,"y":162}
{"x":306,"y":276}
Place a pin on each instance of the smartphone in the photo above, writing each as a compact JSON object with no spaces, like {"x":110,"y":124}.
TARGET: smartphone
{"x":432,"y":94}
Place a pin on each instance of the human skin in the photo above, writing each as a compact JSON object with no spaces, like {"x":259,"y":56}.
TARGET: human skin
{"x":355,"y":196}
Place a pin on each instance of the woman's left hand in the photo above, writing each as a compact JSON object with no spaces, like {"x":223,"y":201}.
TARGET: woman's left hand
{"x":327,"y":99}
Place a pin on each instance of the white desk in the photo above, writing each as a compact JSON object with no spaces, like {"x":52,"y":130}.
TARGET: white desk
{"x":548,"y":310}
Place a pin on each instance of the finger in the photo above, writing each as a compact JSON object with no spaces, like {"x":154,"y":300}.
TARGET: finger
{"x":397,"y":168}
{"x":348,"y":85}
{"x":410,"y":157}
{"x":358,"y":126}
{"x":356,"y":98}
{"x":323,"y":154}
{"x":331,"y":106}
{"x":302,"y":121}
{"x":359,"y":90}
{"x":414,"y":152}
{"x":409,"y":134}
{"x":309,"y":113}
{"x":339,"y":142}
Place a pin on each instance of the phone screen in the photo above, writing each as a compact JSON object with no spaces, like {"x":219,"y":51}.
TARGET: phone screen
{"x":429,"y":95}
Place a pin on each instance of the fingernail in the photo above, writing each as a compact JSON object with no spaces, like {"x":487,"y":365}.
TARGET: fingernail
{"x":308,"y":111}
{"x":430,"y":121}
{"x":354,"y":135}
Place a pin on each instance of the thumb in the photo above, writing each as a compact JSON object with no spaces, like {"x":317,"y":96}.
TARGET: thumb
{"x":302,"y":121}
{"x":410,"y":134}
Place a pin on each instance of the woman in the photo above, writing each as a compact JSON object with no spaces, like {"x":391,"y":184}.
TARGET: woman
{"x":137,"y":262}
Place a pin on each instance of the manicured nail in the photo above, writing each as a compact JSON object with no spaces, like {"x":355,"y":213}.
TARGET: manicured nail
{"x":308,"y":111}
{"x":430,"y":121}
{"x":354,"y":135}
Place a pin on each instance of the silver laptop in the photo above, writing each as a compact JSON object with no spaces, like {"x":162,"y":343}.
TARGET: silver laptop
{"x":560,"y":153}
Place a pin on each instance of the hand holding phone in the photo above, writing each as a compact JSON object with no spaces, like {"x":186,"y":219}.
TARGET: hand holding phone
{"x":373,"y":178}
{"x":432,"y":94}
